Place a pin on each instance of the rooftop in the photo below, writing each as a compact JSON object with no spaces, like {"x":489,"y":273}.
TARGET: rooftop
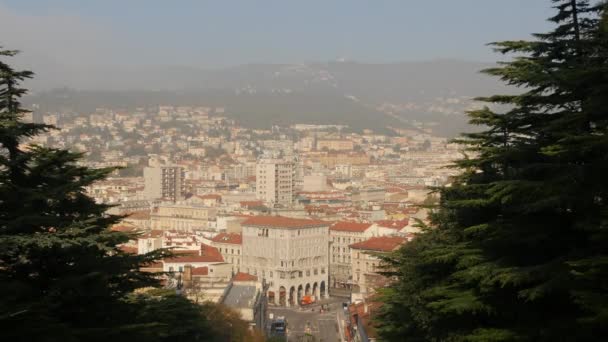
{"x":206,"y":254}
{"x":283,"y":222}
{"x":123,"y":228}
{"x":244,"y":277}
{"x":393,"y":224}
{"x":231,"y":238}
{"x":200,"y":271}
{"x":128,"y":249}
{"x":380,"y":244}
{"x":346,"y":226}
{"x":241,"y":296}
{"x":152,"y":234}
{"x":210,"y":196}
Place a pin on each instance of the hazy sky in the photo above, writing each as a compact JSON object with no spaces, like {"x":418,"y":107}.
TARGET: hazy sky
{"x":225,"y":32}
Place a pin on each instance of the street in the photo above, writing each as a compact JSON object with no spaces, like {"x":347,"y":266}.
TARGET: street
{"x":303,"y":323}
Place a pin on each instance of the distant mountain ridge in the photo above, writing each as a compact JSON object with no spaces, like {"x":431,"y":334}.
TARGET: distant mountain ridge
{"x":356,"y":94}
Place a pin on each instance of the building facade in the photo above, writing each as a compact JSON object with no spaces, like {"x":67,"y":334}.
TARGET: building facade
{"x":164,"y":182}
{"x":341,"y":235}
{"x":275,"y":181}
{"x":335,"y":145}
{"x":290,"y":255}
{"x":366,"y":266}
{"x":182,"y":217}
{"x":230,"y":246}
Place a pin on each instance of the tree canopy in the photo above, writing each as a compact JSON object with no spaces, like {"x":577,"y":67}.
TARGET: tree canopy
{"x":63,"y":274}
{"x":517,"y":249}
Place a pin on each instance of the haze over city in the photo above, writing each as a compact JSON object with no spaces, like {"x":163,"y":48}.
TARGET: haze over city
{"x":218,"y":34}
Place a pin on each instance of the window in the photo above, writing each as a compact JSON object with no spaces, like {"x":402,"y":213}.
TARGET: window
{"x":181,"y":269}
{"x":300,"y":274}
{"x":171,"y":269}
{"x":281,"y":263}
{"x":322,"y":270}
{"x":308,"y":273}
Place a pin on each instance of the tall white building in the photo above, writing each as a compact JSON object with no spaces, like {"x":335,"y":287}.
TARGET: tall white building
{"x":275,"y":181}
{"x":291,"y":255}
{"x":164,"y":182}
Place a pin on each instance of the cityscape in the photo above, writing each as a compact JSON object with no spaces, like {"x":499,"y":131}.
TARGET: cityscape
{"x":314,"y":171}
{"x":286,"y":217}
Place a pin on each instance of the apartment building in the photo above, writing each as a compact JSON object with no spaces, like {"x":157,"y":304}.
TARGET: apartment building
{"x":275,"y":181}
{"x":230,"y":246}
{"x":366,"y":266}
{"x":291,"y":255}
{"x":164,"y":182}
{"x":341,"y":235}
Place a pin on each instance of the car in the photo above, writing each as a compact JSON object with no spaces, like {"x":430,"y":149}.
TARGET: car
{"x":278,"y":327}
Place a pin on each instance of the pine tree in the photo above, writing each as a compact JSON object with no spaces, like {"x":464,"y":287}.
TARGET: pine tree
{"x":62,"y":274}
{"x":518,"y":247}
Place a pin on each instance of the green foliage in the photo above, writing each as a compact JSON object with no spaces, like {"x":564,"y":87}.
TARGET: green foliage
{"x":61,"y":266}
{"x":63,"y":275}
{"x":178,"y":319}
{"x":518,"y":249}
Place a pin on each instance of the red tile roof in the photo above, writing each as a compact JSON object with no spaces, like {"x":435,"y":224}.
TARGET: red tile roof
{"x":152,"y":234}
{"x":249,"y":204}
{"x":128,"y":249}
{"x":200,"y":271}
{"x":206,"y":254}
{"x":123,"y":228}
{"x":244,"y":277}
{"x":282,"y":222}
{"x":380,"y":244}
{"x":231,"y":238}
{"x":347,"y":226}
{"x":393,"y":224}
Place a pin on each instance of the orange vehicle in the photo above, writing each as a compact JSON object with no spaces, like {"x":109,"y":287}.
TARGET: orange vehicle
{"x":306,"y":300}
